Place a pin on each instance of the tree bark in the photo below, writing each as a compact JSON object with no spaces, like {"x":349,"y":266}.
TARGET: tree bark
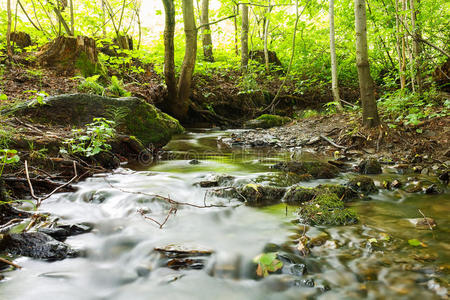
{"x":416,"y":46}
{"x":72,"y":18}
{"x":369,"y":105}
{"x":8,"y":29}
{"x":398,"y":47}
{"x":266,"y":35}
{"x":169,"y":53}
{"x":244,"y":38}
{"x":187,"y":68}
{"x":334,"y":74}
{"x":206,"y":32}
{"x":236,"y":12}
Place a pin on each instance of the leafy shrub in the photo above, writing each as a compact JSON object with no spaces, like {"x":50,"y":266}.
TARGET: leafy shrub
{"x":91,"y":140}
{"x":90,"y":85}
{"x":117,"y":89}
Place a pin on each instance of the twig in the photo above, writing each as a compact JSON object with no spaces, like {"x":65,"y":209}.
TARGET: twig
{"x":425,"y":218}
{"x":10,"y":263}
{"x":173,"y":210}
{"x":40,"y":199}
{"x":332,"y":143}
{"x":167,"y":199}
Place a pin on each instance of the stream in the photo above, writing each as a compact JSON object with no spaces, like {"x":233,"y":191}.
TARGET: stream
{"x":120,"y":260}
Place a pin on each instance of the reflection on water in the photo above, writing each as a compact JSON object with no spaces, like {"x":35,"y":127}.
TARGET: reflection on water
{"x":121,"y":262}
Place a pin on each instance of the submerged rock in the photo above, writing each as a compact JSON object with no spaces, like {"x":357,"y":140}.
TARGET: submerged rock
{"x":370,"y":166}
{"x":258,"y":195}
{"x":267,"y":121}
{"x":142,"y":120}
{"x":363,"y":184}
{"x":61,"y":232}
{"x":327,"y":209}
{"x":317,"y":169}
{"x":36,"y":245}
{"x":298,"y":194}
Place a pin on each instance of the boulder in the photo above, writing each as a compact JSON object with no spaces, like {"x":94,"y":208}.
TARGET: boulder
{"x":267,"y":121}
{"x":362,"y":184}
{"x":36,"y":245}
{"x":317,"y":169}
{"x":140,"y":119}
{"x":297,"y":194}
{"x":258,"y":195}
{"x":370,"y":166}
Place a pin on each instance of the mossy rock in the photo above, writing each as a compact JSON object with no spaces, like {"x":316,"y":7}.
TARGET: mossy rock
{"x":327,"y":209}
{"x":317,"y":169}
{"x":267,"y":121}
{"x":370,"y":166}
{"x":259,"y":195}
{"x":142,"y":120}
{"x":362,"y":184}
{"x":298,"y":194}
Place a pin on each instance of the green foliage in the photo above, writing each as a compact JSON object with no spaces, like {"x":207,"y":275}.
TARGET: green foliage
{"x":416,"y":243}
{"x":90,"y":85}
{"x":36,"y":97}
{"x":267,"y":262}
{"x":91,"y":140}
{"x":8,"y":156}
{"x":117,"y":89}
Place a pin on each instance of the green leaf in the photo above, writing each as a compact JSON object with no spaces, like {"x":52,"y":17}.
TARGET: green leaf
{"x":414,"y":242}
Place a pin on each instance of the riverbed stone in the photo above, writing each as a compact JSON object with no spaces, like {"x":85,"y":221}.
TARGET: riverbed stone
{"x":267,"y":121}
{"x":36,"y":245}
{"x":327,"y":209}
{"x":317,"y":169}
{"x":370,"y":166}
{"x":362,"y":184}
{"x":140,"y":119}
{"x":259,"y":195}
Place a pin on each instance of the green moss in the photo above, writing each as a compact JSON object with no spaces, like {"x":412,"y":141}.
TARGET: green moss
{"x":317,"y":169}
{"x":363,"y":184}
{"x":298,"y":194}
{"x":267,"y":121}
{"x":327,"y":209}
{"x":87,"y":68}
{"x":344,"y":193}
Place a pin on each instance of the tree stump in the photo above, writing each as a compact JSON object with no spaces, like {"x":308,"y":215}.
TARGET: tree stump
{"x":70,"y":55}
{"x":21,"y":39}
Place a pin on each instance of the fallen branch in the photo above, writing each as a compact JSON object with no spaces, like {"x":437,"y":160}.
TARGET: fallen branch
{"x":426,"y":219}
{"x":332,"y":143}
{"x":167,"y":199}
{"x":40,"y":199}
{"x":10,"y":263}
{"x":173,"y":210}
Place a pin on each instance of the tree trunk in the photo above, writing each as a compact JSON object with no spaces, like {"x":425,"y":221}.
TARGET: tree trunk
{"x":72,"y":18}
{"x":266,"y":35}
{"x":334,"y":74}
{"x":416,"y":46}
{"x":244,"y":38}
{"x":187,"y":68}
{"x":236,"y":12}
{"x":206,"y":32}
{"x":398,"y":47}
{"x":403,"y":45}
{"x":8,"y":29}
{"x":103,"y":18}
{"x":169,"y":53}
{"x":369,"y":105}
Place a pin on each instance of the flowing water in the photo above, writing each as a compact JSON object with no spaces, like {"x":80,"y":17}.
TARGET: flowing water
{"x":121,"y":261}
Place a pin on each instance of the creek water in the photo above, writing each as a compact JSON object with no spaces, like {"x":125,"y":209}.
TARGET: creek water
{"x":120,"y":260}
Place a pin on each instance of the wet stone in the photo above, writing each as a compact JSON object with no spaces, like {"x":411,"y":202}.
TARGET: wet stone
{"x":317,"y":169}
{"x":370,"y":166}
{"x":363,"y":184}
{"x":61,"y":232}
{"x":258,"y":195}
{"x":433,"y":190}
{"x":36,"y":245}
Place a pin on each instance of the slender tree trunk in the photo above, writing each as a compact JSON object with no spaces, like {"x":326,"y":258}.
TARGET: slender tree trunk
{"x":416,"y":46}
{"x":206,"y":32}
{"x":187,"y":68}
{"x":403,"y":45}
{"x":244,"y":38}
{"x":369,"y":105}
{"x":72,"y":18}
{"x":169,"y":53}
{"x":334,"y":74}
{"x":236,"y":12}
{"x":8,"y":29}
{"x":398,"y":47}
{"x":266,"y":35}
{"x":104,"y":18}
